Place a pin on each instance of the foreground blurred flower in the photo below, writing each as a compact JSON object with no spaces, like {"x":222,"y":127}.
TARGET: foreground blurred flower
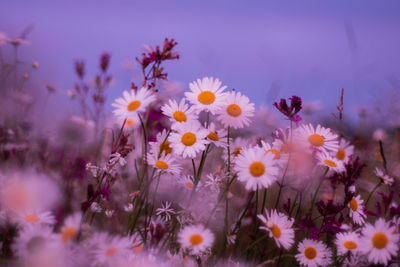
{"x":196,"y":239}
{"x":313,"y":253}
{"x":189,"y":139}
{"x":319,"y":139}
{"x":110,"y":249}
{"x":256,"y":169}
{"x":347,"y":242}
{"x":280,"y":228}
{"x":30,"y":218}
{"x":132,"y":102}
{"x":236,"y":111}
{"x":380,"y":242}
{"x":206,"y":95}
{"x":70,"y":227}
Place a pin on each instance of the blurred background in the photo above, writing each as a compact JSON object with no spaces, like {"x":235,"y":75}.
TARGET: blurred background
{"x":265,"y":49}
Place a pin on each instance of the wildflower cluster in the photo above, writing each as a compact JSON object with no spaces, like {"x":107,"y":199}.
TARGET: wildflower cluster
{"x":203,"y":189}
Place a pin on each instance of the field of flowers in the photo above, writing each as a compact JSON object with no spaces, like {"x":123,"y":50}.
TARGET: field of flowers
{"x":192,"y":179}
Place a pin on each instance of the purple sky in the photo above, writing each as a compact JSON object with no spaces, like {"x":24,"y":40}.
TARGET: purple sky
{"x":296,"y":47}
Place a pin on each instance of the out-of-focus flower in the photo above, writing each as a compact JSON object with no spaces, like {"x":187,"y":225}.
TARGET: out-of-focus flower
{"x":206,"y":95}
{"x":35,"y":65}
{"x":380,"y":242}
{"x":313,"y":253}
{"x":3,"y":38}
{"x":347,"y":242}
{"x":93,"y":169}
{"x":128,"y":207}
{"x":236,"y":111}
{"x":110,"y":249}
{"x":189,"y":139}
{"x":357,"y":210}
{"x":280,"y":228}
{"x":379,"y":134}
{"x":29,"y":218}
{"x":196,"y":239}
{"x":386,"y":179}
{"x":18,"y":41}
{"x":104,"y":61}
{"x":71,"y":226}
{"x":109,"y":213}
{"x":82,"y":122}
{"x":117,"y":158}
{"x":312,"y":107}
{"x":95,"y":207}
{"x":256,"y":169}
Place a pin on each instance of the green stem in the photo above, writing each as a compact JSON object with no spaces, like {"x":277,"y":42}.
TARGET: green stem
{"x":372,"y":192}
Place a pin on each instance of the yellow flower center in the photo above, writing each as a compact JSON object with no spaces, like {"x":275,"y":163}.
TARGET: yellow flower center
{"x":206,"y":97}
{"x":276,"y":153}
{"x":380,"y":240}
{"x":179,"y":116}
{"x":341,"y":154}
{"x":129,"y":123}
{"x":257,"y":169}
{"x":276,"y":231}
{"x":161,"y":165}
{"x":353,"y":204}
{"x":68,"y":233}
{"x":111,"y":251}
{"x":310,"y":253}
{"x":236,"y":151}
{"x":213,"y":136}
{"x":165,"y":147}
{"x":196,"y":239}
{"x":31,"y":218}
{"x":189,"y":184}
{"x":134,"y":105}
{"x":316,"y":140}
{"x":234,"y":110}
{"x":350,"y":245}
{"x":188,"y":139}
{"x":330,"y":163}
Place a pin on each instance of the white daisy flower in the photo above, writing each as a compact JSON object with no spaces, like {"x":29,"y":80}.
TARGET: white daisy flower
{"x":189,"y":139}
{"x":70,"y":228}
{"x":128,"y":207}
{"x":357,"y":210}
{"x":217,"y":137}
{"x":45,"y":217}
{"x":163,"y":163}
{"x":280,"y":227}
{"x":313,"y":253}
{"x":131,"y":122}
{"x":386,"y":179}
{"x":255,"y":168}
{"x":206,"y":95}
{"x":380,"y":242}
{"x":236,"y":111}
{"x":178,"y":113}
{"x":213,"y":182}
{"x":133,"y":102}
{"x":319,"y":139}
{"x":347,"y":242}
{"x":196,"y":239}
{"x":324,"y":159}
{"x":345,"y":150}
{"x":162,"y":145}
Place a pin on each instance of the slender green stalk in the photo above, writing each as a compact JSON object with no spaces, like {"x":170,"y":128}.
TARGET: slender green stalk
{"x":372,"y":192}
